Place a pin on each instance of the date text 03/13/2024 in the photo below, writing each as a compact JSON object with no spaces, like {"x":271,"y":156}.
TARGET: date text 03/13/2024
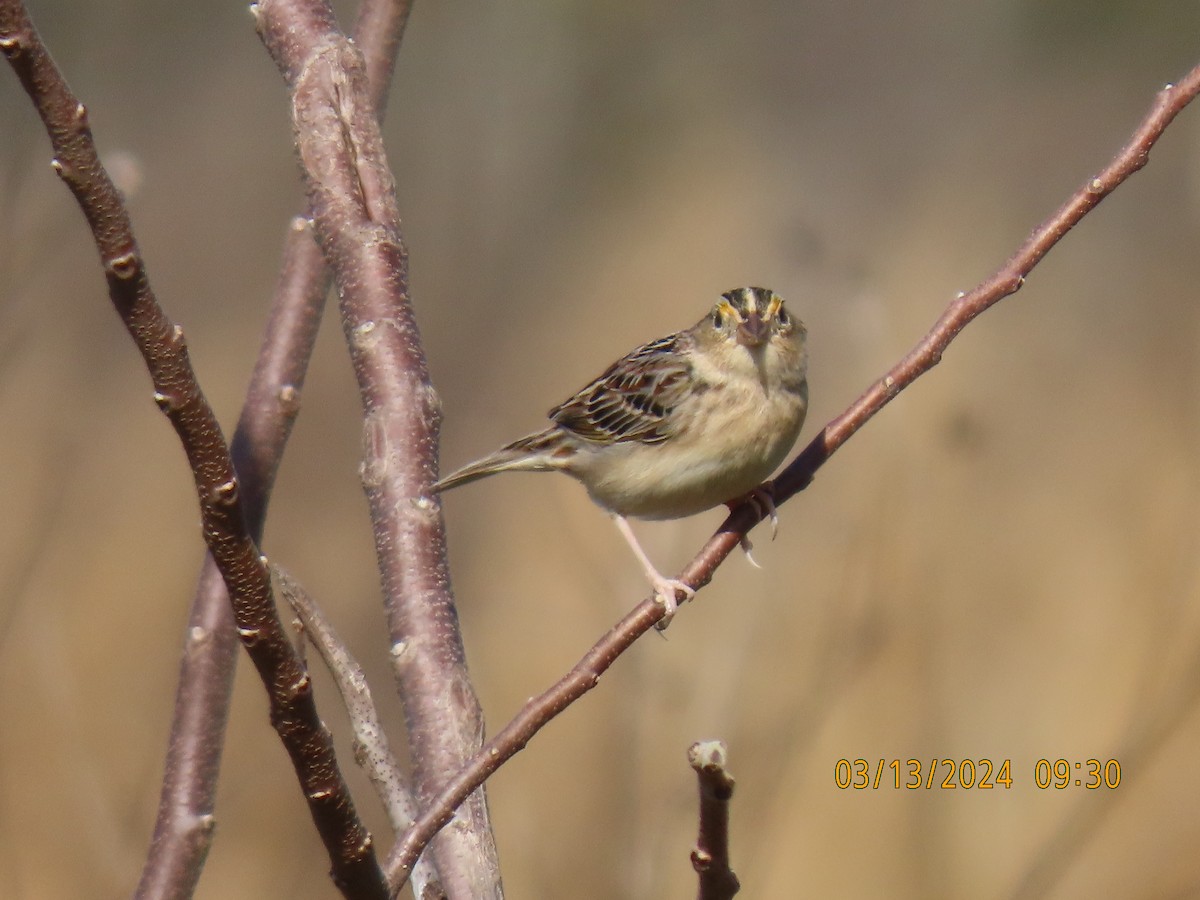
{"x":973,"y":774}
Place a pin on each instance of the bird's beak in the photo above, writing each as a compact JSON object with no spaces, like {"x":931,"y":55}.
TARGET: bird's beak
{"x":752,"y":331}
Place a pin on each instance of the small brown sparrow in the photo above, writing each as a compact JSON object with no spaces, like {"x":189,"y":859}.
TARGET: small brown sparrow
{"x":681,"y":424}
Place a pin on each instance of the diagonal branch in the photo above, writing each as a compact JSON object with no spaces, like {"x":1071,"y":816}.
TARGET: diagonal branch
{"x":798,"y":475}
{"x":183,"y":827}
{"x":161,"y":342}
{"x":357,"y":221}
{"x":372,"y":751}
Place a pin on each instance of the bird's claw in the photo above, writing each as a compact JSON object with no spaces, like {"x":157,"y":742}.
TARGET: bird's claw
{"x":747,"y":546}
{"x":763,"y":500}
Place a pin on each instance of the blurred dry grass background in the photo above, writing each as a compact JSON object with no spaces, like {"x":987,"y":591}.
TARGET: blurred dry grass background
{"x":1003,"y":565}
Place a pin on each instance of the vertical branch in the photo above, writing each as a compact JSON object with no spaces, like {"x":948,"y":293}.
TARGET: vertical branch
{"x":234,"y":552}
{"x":183,"y":827}
{"x":378,"y":31}
{"x":352,"y":196}
{"x":710,"y":856}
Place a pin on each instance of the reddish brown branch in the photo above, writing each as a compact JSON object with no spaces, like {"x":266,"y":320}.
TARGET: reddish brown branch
{"x":293,"y":711}
{"x":710,"y":856}
{"x":352,"y":197}
{"x":516,"y":734}
{"x":798,"y":475}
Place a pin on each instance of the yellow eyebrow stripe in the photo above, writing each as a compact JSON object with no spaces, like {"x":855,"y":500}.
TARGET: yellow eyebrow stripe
{"x":728,"y":309}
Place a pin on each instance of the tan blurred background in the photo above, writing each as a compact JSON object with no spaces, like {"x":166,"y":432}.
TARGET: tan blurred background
{"x":1003,"y":565}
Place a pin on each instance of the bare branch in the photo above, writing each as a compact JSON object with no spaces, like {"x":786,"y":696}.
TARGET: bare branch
{"x":584,"y":676}
{"x":371,"y":748}
{"x":798,"y":475}
{"x":161,"y":342}
{"x":710,"y":857}
{"x":352,"y":196}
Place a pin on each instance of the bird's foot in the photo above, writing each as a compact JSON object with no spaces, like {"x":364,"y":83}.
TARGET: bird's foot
{"x":762,"y":498}
{"x":666,"y":592}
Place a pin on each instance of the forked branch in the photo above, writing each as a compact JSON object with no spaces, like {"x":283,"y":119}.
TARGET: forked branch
{"x":355,"y":215}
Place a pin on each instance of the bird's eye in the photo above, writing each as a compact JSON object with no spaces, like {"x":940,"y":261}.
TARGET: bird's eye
{"x":716,"y":318}
{"x":784,"y":319}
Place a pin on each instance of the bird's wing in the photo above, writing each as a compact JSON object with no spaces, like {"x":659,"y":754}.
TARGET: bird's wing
{"x":633,"y":399}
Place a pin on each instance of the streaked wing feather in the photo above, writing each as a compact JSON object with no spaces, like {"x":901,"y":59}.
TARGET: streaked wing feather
{"x":633,"y":399}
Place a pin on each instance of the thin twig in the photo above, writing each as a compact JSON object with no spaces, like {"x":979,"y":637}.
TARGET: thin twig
{"x":161,"y":342}
{"x":372,"y":750}
{"x":710,"y":856}
{"x":798,"y":475}
{"x":352,"y":197}
{"x":183,"y":827}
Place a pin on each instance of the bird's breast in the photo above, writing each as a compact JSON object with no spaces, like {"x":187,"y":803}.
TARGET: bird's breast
{"x":726,"y":440}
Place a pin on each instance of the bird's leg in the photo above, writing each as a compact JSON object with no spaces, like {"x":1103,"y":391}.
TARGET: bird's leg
{"x":664,"y":588}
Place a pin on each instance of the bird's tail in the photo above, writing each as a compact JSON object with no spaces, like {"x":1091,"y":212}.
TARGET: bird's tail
{"x":540,"y":452}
